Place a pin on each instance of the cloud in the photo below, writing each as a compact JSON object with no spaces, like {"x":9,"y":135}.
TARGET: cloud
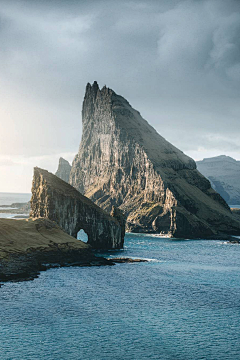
{"x":176,"y":61}
{"x":17,"y":171}
{"x":6,"y":161}
{"x":200,"y":41}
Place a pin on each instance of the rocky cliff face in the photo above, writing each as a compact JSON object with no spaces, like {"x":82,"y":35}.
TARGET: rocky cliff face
{"x":122,"y":161}
{"x":224,"y":175}
{"x":58,"y":201}
{"x":64,"y":169}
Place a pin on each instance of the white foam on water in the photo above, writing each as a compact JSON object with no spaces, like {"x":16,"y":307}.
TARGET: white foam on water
{"x":151,"y":260}
{"x":140,"y":258}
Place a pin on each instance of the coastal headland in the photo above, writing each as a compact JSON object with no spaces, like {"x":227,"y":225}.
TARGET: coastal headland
{"x":33,"y":245}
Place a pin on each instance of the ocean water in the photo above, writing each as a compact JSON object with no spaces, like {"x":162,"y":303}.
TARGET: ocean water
{"x":10,"y":198}
{"x":182,"y":304}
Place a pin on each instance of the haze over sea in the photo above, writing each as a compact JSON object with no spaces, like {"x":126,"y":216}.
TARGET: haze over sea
{"x":10,"y":198}
{"x":182,"y":304}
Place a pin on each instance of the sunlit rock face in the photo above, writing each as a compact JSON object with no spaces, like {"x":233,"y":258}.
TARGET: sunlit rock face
{"x":224,"y":174}
{"x":122,"y":161}
{"x":58,"y":201}
{"x":64,"y":169}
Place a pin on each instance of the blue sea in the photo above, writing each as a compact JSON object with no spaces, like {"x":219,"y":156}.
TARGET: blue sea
{"x":182,"y":304}
{"x":10,"y":198}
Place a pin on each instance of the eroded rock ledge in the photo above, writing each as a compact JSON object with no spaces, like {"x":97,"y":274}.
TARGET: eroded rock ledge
{"x":58,"y":201}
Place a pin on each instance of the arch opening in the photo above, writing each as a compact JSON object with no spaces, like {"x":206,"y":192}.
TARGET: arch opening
{"x":82,"y":235}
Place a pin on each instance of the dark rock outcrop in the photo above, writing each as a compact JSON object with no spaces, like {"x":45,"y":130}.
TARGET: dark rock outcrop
{"x":122,"y":161}
{"x":127,"y":260}
{"x":120,"y":216}
{"x":64,"y":169}
{"x":224,"y":175}
{"x":58,"y":201}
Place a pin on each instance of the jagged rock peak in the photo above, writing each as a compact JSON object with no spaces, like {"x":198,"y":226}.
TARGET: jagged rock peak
{"x":123,"y":161}
{"x":64,"y":169}
{"x":92,"y":89}
{"x":101,"y":106}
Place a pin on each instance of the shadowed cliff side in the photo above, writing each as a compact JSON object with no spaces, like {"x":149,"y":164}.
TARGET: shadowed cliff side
{"x":58,"y":201}
{"x":122,"y":161}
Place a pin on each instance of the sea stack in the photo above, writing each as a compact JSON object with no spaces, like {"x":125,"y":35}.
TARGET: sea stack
{"x":123,"y":162}
{"x":64,"y":169}
{"x":54,"y":199}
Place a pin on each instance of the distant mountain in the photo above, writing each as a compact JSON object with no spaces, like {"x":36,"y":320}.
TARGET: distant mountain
{"x":123,"y":162}
{"x":224,"y":175}
{"x":63,"y":171}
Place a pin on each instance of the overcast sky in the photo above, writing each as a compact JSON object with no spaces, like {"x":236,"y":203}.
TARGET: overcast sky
{"x":176,"y":61}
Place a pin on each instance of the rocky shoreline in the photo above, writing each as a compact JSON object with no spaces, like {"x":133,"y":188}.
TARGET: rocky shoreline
{"x":22,"y":267}
{"x":30,"y":246}
{"x":25,"y":267}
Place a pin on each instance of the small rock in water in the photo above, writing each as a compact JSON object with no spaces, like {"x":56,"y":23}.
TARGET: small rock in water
{"x":127,"y":260}
{"x":234,"y":241}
